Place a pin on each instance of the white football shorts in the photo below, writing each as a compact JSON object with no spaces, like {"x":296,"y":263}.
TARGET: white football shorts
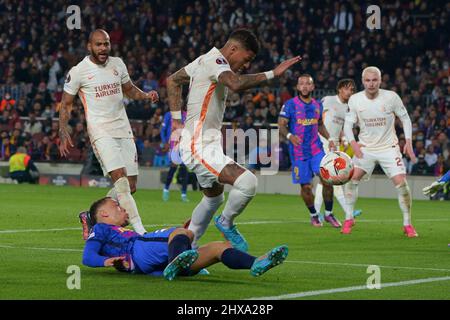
{"x":390,"y":161}
{"x":116,"y":153}
{"x":205,"y":160}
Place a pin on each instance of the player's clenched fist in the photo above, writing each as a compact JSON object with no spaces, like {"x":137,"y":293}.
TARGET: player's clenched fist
{"x":153,"y":96}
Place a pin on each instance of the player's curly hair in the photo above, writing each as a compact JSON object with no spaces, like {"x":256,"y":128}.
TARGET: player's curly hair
{"x":92,"y":215}
{"x":247,"y":38}
{"x":345,"y":83}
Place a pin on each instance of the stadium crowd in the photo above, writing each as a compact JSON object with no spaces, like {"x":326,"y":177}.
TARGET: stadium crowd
{"x":157,"y":37}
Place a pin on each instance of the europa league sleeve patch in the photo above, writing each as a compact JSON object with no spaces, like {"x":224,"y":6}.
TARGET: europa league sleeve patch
{"x":221,"y":61}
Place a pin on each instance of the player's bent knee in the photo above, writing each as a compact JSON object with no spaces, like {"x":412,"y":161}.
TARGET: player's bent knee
{"x":246,"y":183}
{"x":215,"y":191}
{"x":399,"y":180}
{"x":182,"y":231}
{"x":217,"y":200}
{"x":226,"y":245}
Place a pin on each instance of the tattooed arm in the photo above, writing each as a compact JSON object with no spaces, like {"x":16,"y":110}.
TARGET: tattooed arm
{"x":64,"y":130}
{"x":175,"y":84}
{"x":284,"y":131}
{"x":243,"y":82}
{"x":133,"y":92}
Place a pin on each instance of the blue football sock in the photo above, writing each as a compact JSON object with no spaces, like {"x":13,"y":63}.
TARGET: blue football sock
{"x":328,"y":206}
{"x":312,"y":211}
{"x":236,"y":259}
{"x":185,"y":174}
{"x":172,"y":171}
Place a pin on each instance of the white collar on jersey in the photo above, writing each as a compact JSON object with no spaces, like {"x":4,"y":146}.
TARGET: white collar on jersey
{"x":99,"y":65}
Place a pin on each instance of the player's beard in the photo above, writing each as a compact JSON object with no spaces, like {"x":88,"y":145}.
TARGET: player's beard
{"x":306,"y":97}
{"x":99,"y":58}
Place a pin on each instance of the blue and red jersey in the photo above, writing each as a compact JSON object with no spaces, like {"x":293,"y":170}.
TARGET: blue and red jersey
{"x":304,"y":123}
{"x":108,"y":241}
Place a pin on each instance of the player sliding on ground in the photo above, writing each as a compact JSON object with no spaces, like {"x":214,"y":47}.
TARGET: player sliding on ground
{"x":164,"y":252}
{"x":375,"y":110}
{"x":209,"y":77}
{"x":101,"y":82}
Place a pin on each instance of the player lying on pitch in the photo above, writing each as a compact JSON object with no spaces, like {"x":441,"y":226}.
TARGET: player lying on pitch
{"x":166,"y":251}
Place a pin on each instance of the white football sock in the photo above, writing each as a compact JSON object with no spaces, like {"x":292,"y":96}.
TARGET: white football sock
{"x":339,"y":194}
{"x":244,"y":189}
{"x":351,"y":195}
{"x":112,"y":194}
{"x":318,"y":197}
{"x":126,"y":201}
{"x":405,"y":202}
{"x":202,"y":214}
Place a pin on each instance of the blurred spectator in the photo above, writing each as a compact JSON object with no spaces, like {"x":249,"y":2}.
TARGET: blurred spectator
{"x":147,"y":154}
{"x":161,"y":158}
{"x":32,"y":126}
{"x":431,"y":157}
{"x":7,"y":102}
{"x":150,"y":83}
{"x":421,"y":167}
{"x":411,"y":49}
{"x":343,"y":19}
{"x":240,"y":18}
{"x":5,"y":149}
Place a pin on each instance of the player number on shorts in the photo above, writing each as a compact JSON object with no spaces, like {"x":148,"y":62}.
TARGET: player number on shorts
{"x":399,"y":162}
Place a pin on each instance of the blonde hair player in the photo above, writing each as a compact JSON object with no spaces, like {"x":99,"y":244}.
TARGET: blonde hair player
{"x":375,"y":109}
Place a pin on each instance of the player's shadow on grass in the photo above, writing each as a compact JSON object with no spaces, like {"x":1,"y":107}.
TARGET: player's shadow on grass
{"x":211,"y":279}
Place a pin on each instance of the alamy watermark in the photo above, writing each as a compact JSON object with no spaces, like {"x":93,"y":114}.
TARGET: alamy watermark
{"x":374,"y":281}
{"x":373,"y":22}
{"x":252,"y":148}
{"x":74,"y":280}
{"x":73,"y":21}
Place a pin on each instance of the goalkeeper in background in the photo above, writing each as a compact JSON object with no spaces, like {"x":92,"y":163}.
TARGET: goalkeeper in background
{"x":433,"y":188}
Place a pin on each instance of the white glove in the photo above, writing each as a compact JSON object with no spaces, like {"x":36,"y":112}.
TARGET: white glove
{"x":433,"y":188}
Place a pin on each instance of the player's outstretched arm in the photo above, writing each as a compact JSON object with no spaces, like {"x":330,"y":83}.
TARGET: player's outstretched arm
{"x":133,"y":92}
{"x":237,"y":82}
{"x":64,"y":130}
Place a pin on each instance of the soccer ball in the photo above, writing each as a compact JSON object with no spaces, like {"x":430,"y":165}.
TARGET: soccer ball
{"x":336,"y":168}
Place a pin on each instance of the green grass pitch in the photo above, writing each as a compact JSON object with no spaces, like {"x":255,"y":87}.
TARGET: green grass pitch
{"x":34,"y":262}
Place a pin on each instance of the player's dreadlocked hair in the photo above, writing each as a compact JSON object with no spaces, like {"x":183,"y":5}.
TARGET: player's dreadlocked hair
{"x":247,"y":38}
{"x":92,"y":215}
{"x":346,"y":83}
